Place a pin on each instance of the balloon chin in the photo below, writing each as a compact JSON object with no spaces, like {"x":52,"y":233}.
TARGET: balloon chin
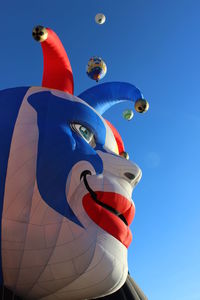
{"x":107,"y":272}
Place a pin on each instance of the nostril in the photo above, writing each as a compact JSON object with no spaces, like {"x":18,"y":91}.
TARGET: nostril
{"x":130,"y":176}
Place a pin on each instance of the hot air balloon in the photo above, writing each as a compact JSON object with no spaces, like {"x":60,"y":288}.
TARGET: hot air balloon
{"x":96,"y":68}
{"x":128,"y":114}
{"x":65,"y":226}
{"x":100,"y":19}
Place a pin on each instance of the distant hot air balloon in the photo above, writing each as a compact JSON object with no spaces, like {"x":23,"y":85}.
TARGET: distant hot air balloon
{"x":96,"y":68}
{"x":100,"y":19}
{"x":128,"y":114}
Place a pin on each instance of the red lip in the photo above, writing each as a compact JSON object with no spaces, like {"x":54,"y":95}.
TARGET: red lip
{"x":107,"y":220}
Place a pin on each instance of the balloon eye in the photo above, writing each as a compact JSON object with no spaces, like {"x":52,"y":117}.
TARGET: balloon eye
{"x":85,"y":133}
{"x":125,"y":155}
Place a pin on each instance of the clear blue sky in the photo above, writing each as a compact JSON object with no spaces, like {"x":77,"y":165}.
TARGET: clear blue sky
{"x":156,"y":46}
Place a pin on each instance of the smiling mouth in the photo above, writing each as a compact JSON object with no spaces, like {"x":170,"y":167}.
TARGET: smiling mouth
{"x":109,"y":210}
{"x":95,"y":198}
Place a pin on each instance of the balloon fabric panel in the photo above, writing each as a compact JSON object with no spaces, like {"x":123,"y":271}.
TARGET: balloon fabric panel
{"x":54,"y":118}
{"x":10,"y":101}
{"x":57,"y":72}
{"x":105,"y":95}
{"x":117,"y":136}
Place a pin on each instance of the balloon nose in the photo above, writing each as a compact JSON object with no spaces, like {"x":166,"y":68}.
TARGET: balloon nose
{"x":133,"y":177}
{"x":39,"y":33}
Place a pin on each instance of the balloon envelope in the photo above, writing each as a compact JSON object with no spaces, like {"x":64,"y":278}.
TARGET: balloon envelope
{"x":96,"y":68}
{"x":128,"y":114}
{"x":100,"y":19}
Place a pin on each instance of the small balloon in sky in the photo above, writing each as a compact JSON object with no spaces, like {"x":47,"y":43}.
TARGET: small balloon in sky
{"x":100,"y":19}
{"x":96,"y":68}
{"x":128,"y":114}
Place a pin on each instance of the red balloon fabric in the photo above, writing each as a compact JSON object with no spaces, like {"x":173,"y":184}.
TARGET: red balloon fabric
{"x":57,"y":72}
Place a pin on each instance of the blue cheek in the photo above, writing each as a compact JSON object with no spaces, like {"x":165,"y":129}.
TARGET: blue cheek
{"x":59,"y":150}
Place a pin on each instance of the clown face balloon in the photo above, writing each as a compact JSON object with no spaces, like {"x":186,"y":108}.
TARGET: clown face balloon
{"x":65,"y":187}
